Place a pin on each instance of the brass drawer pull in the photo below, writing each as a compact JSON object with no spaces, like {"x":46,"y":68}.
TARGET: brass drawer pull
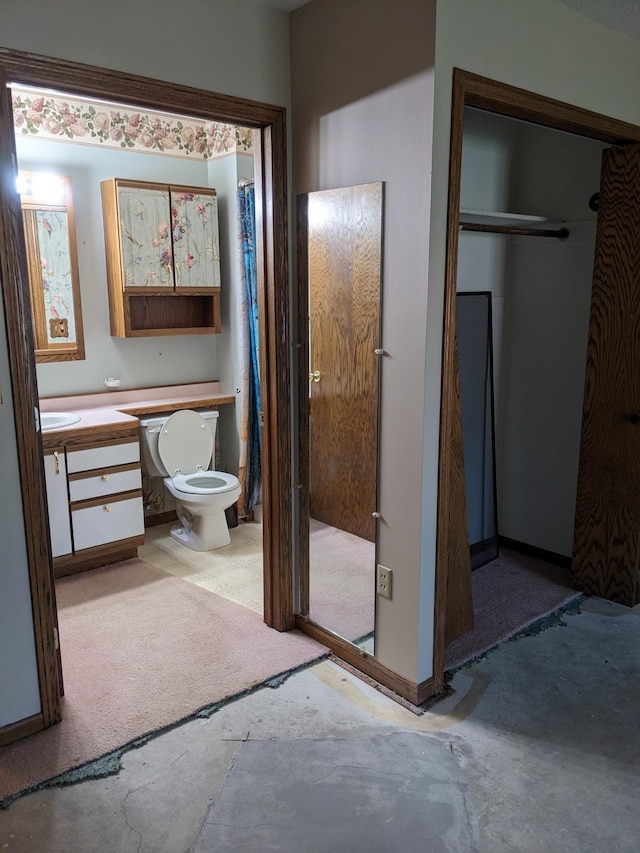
{"x":105,"y":478}
{"x":107,"y":507}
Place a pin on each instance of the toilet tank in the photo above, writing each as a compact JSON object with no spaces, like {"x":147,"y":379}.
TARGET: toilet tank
{"x":150,"y":430}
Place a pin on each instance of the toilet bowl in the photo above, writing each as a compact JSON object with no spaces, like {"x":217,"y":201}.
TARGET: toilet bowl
{"x":179,"y":448}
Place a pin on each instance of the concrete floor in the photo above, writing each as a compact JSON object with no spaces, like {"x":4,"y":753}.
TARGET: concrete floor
{"x":537,"y":749}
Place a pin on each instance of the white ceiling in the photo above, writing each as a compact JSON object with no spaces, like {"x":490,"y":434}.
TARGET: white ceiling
{"x":622,"y":15}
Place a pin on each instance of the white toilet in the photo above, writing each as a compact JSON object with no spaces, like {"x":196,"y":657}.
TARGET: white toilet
{"x":179,"y":448}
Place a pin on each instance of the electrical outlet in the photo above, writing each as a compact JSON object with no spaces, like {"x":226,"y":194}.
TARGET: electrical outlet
{"x":384,"y":579}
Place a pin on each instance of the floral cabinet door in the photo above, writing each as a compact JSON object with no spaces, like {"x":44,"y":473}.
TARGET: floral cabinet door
{"x":145,"y":236}
{"x":194,"y":227}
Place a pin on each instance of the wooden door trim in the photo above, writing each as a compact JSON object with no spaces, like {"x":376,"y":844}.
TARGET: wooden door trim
{"x":303,"y":524}
{"x":270,"y":166}
{"x":415,"y":692}
{"x":493,"y":96}
{"x":271,"y":208}
{"x":22,"y":368}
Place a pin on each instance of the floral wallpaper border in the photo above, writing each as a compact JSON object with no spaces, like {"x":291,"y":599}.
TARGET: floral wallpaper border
{"x":70,"y":120}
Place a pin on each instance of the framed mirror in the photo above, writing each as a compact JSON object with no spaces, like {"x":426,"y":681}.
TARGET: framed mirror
{"x":341,"y":290}
{"x":52,"y":262}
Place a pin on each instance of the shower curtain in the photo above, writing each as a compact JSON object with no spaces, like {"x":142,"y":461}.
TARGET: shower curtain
{"x":250,"y":470}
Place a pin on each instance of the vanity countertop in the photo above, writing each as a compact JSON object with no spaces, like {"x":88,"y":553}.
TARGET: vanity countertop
{"x":115,"y":414}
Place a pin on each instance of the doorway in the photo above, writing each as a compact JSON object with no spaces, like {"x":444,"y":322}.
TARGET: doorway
{"x":454,"y":615}
{"x":270,"y":177}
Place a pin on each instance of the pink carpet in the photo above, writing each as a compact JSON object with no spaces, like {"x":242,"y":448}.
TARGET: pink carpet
{"x":509,"y":594}
{"x":142,"y":649}
{"x":341,"y":581}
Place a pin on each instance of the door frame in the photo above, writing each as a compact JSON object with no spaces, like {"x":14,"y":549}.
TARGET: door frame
{"x":270,"y":162}
{"x":343,"y":649}
{"x":472,"y":90}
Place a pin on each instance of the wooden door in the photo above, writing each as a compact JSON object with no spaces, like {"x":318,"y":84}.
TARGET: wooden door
{"x":607,"y":523}
{"x":344,"y":240}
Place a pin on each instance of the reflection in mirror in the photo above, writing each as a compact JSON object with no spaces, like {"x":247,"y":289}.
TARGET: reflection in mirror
{"x":344,"y":258}
{"x":52,"y":262}
{"x":475,"y":368}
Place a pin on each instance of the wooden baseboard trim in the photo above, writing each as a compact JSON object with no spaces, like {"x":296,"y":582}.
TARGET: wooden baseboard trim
{"x":534,"y":551}
{"x":93,"y":558}
{"x":360,"y":660}
{"x":160,"y":518}
{"x":23,"y":728}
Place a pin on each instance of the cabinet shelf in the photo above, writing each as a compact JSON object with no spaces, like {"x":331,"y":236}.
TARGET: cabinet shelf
{"x":494,"y":217}
{"x":163,"y":258}
{"x":515,"y":224}
{"x":171,"y":313}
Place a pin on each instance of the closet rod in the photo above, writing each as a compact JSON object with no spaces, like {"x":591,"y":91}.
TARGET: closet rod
{"x":558,"y":233}
{"x":245,"y":182}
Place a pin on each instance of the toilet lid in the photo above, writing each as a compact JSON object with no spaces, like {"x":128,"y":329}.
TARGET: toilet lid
{"x":185,"y":443}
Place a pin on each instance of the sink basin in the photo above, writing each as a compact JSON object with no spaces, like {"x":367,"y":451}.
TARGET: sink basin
{"x":57,"y":420}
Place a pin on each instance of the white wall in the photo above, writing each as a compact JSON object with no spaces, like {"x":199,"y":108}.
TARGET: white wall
{"x":543,"y":47}
{"x":544,"y":358}
{"x":137,"y":362}
{"x":224,"y":174}
{"x":362,"y":112}
{"x":19,"y":693}
{"x":234,"y":47}
{"x":544,"y":286}
{"x":488,"y":182}
{"x":547,"y":321}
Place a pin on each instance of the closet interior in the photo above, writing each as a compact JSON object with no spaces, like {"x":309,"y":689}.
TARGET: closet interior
{"x":525,"y":263}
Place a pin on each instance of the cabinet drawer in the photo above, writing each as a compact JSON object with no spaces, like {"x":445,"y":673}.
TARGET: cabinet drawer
{"x":102,"y":457}
{"x":105,"y":483}
{"x":108,"y":522}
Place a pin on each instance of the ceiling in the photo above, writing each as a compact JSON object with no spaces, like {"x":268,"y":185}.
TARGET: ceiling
{"x":622,"y":15}
{"x":285,"y":5}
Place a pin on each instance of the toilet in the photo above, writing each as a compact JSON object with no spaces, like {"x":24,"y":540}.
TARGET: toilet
{"x":179,"y":448}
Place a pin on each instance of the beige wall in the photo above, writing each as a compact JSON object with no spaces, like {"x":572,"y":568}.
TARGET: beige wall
{"x":542,"y":46}
{"x":364,"y":105}
{"x":362,"y":98}
{"x":236,"y":47}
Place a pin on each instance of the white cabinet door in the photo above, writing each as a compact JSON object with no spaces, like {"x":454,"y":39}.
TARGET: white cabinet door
{"x":58,"y":503}
{"x":196,"y":246}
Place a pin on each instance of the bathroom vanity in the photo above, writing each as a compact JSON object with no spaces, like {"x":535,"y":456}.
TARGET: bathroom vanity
{"x":93,"y":474}
{"x":94,"y":495}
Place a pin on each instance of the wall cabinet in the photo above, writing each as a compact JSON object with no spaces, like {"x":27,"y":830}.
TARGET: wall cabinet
{"x":163,"y":258}
{"x":94,"y":495}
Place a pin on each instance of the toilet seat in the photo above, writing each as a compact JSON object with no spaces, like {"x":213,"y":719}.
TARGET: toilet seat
{"x":185,"y":445}
{"x":205,"y":483}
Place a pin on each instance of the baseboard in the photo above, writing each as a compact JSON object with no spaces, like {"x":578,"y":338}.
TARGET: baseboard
{"x":414,"y":692}
{"x":160,"y":518}
{"x":93,"y":558}
{"x":23,"y":728}
{"x":484,"y":545}
{"x":534,"y":551}
{"x":483,"y":552}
